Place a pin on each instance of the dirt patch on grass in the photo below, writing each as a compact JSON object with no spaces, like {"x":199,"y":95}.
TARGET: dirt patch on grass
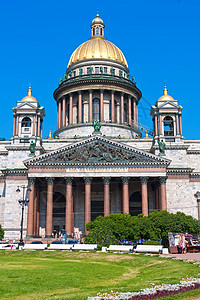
{"x":119,"y":258}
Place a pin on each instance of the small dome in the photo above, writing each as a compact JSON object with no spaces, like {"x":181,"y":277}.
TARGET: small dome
{"x":165,"y":96}
{"x":97,"y":47}
{"x":97,"y":20}
{"x":29,"y":97}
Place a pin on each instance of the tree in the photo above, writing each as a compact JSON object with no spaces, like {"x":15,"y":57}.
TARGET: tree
{"x":117,"y":227}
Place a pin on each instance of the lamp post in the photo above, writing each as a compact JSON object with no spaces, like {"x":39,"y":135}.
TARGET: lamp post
{"x":22,"y":202}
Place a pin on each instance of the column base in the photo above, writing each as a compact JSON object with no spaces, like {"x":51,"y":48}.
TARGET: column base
{"x":29,"y":236}
{"x":48,"y":236}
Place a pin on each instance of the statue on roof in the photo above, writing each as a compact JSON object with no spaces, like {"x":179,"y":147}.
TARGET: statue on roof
{"x":97,"y":126}
{"x":162,"y":147}
{"x":32,"y":148}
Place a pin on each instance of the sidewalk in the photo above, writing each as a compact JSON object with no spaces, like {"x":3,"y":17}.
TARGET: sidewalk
{"x":194,"y":256}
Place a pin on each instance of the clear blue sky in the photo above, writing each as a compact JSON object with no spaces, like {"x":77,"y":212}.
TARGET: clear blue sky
{"x":159,"y":38}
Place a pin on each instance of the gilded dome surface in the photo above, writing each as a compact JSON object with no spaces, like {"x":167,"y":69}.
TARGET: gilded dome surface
{"x":29,"y":97}
{"x":97,"y":47}
{"x":165,"y":96}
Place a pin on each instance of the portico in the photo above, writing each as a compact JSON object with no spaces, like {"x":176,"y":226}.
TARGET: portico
{"x":96,"y":177}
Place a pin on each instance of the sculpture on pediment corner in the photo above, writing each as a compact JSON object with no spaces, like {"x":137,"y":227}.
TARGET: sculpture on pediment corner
{"x":32,"y":148}
{"x":162,"y":147}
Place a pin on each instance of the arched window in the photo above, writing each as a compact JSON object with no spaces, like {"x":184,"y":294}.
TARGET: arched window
{"x":96,"y":109}
{"x":97,"y":31}
{"x":26,"y":122}
{"x":101,"y":30}
{"x":125,"y":112}
{"x":93,"y":31}
{"x":168,"y":126}
{"x":135,"y":204}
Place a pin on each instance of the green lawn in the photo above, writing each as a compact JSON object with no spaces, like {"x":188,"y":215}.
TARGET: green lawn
{"x":76,"y":275}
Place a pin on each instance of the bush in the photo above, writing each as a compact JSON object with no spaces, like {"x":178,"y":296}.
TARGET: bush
{"x":117,"y":227}
{"x":152,"y":243}
{"x":1,"y":233}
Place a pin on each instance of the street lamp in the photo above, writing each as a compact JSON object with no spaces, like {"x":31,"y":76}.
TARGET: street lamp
{"x":22,"y":202}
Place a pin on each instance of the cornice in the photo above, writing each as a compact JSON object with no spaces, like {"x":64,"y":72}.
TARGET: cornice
{"x":21,"y":148}
{"x":16,"y":172}
{"x":172,"y":147}
{"x":193,"y":152}
{"x":179,"y":170}
{"x":3,"y":152}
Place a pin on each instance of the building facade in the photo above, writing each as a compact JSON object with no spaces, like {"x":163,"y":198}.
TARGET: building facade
{"x":97,"y":162}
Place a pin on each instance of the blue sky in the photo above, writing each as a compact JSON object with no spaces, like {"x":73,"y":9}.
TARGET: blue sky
{"x":159,"y":38}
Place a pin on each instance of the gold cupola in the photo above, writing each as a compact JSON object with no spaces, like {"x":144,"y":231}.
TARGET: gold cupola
{"x":97,"y":47}
{"x":165,"y":96}
{"x":29,"y":97}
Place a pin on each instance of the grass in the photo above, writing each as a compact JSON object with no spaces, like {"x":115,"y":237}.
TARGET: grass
{"x":76,"y":275}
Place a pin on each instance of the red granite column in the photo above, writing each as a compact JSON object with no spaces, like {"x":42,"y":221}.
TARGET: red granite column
{"x":177,"y":125}
{"x":112,"y":106}
{"x":106,"y":181}
{"x":17,"y":126}
{"x":57,"y":117}
{"x":33,"y":133}
{"x":125,"y":205}
{"x":38,"y":126}
{"x":79,"y":107}
{"x":38,"y":213}
{"x":88,"y":181}
{"x":59,"y":114}
{"x":41,"y":129}
{"x":145,"y":209}
{"x":35,"y":212}
{"x":129,"y":110}
{"x":122,"y":108}
{"x":90,"y":106}
{"x":69,"y":207}
{"x":156,"y":125}
{"x":49,"y":210}
{"x":163,"y":194}
{"x":64,"y":112}
{"x":101,"y":106}
{"x":30,"y":219}
{"x":134,"y":112}
{"x":180,"y":125}
{"x":14,"y":122}
{"x":70,"y":109}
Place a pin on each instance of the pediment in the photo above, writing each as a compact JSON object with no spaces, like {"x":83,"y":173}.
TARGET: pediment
{"x":96,"y":151}
{"x":169,"y":104}
{"x":26,"y":105}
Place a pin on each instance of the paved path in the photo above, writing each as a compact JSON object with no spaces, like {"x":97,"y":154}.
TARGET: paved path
{"x":194,"y":256}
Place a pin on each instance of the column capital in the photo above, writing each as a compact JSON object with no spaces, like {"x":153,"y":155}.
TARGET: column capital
{"x":144,"y":179}
{"x":125,"y":180}
{"x":80,"y":92}
{"x":101,"y":90}
{"x":106,"y":180}
{"x":87,"y":180}
{"x":122,"y":94}
{"x":70,"y":94}
{"x":163,"y":179}
{"x":31,"y":180}
{"x":49,"y":180}
{"x":129,"y":96}
{"x":112,"y":91}
{"x":90,"y":91}
{"x":68,"y":180}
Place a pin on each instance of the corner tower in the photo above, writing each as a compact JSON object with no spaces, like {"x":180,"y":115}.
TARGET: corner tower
{"x":97,"y":86}
{"x":28,"y":120}
{"x":166,"y":115}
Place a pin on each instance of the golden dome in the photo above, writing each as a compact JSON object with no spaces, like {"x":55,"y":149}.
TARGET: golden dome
{"x":97,"y":47}
{"x":165,"y":96}
{"x":29,"y":98}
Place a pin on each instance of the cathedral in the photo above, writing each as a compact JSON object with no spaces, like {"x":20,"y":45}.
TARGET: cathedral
{"x":97,"y":162}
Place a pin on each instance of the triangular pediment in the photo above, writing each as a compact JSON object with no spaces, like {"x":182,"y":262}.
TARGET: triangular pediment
{"x":26,"y":105}
{"x":96,"y":151}
{"x":169,"y":104}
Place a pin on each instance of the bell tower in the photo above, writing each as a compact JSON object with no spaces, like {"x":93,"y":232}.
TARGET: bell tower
{"x":166,"y":116}
{"x":28,"y":120}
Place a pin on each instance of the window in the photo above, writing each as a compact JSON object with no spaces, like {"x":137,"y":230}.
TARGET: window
{"x":74,"y":73}
{"x":88,"y":70}
{"x":97,"y":70}
{"x":96,"y":109}
{"x":26,"y":122}
{"x":97,"y":31}
{"x":125,"y":112}
{"x":26,"y":129}
{"x":93,"y":31}
{"x":101,"y":30}
{"x":105,"y":70}
{"x":168,"y":126}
